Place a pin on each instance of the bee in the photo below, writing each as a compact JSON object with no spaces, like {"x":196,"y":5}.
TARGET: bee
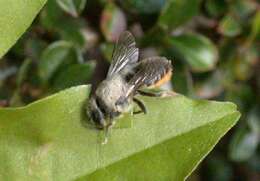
{"x":125,"y":78}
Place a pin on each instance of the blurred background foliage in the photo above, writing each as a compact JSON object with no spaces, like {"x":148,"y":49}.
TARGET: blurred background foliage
{"x":214,"y":46}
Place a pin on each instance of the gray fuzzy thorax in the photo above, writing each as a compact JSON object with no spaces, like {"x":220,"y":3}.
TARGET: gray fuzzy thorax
{"x":110,"y":90}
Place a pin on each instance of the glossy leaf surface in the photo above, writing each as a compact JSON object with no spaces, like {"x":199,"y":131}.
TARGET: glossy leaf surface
{"x":15,"y":17}
{"x":46,"y":140}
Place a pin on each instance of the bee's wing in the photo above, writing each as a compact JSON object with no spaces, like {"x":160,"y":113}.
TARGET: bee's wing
{"x":124,"y":53}
{"x":150,"y":72}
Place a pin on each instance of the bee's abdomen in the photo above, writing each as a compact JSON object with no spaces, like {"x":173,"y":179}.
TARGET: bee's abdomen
{"x":150,"y":72}
{"x":161,"y":79}
{"x":157,"y":70}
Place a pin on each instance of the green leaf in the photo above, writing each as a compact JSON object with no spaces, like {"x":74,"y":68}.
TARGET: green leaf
{"x":22,"y":74}
{"x":242,"y":9}
{"x":73,"y":75}
{"x":68,"y":28}
{"x":178,"y":12}
{"x":15,"y":18}
{"x":46,"y":140}
{"x":51,"y":15}
{"x":229,"y":26}
{"x":255,"y":32}
{"x":52,"y":57}
{"x":73,"y":7}
{"x":72,"y":31}
{"x":112,"y":22}
{"x":23,"y":71}
{"x":198,"y":51}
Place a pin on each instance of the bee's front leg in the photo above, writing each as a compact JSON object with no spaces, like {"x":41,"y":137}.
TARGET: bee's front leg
{"x":140,"y":105}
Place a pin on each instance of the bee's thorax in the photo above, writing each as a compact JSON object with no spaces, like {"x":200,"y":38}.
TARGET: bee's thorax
{"x":111,"y":90}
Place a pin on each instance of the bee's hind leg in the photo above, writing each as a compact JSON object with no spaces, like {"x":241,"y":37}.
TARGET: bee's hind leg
{"x":157,"y":94}
{"x":140,"y":105}
{"x":150,"y":94}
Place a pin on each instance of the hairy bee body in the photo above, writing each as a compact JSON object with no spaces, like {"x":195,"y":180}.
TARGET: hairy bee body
{"x":110,"y":100}
{"x":126,"y":76}
{"x":110,"y":90}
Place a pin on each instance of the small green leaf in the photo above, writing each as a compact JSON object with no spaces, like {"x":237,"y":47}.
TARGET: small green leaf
{"x":73,"y":7}
{"x":113,"y":22}
{"x":72,"y":31}
{"x":229,"y":26}
{"x":46,"y":140}
{"x":198,"y":51}
{"x":23,"y":71}
{"x":69,"y":28}
{"x":51,"y":15}
{"x":178,"y":12}
{"x":16,"y":99}
{"x":15,"y":18}
{"x":255,"y":32}
{"x":242,"y":9}
{"x":52,"y":58}
{"x":73,"y":75}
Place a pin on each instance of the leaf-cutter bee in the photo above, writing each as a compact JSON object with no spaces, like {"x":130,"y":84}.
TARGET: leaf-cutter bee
{"x":125,"y":77}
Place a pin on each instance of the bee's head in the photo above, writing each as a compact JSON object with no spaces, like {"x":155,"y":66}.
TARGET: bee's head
{"x":100,"y":114}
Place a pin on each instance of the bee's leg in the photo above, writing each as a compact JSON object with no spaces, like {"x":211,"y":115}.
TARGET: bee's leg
{"x":150,"y":94}
{"x":141,"y":106}
{"x":107,"y":130}
{"x":157,"y":94}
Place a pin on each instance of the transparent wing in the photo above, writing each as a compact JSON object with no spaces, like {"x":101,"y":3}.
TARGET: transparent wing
{"x":124,"y":53}
{"x":150,"y":72}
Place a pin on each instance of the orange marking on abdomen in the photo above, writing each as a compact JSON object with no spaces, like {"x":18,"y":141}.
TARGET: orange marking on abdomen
{"x":163,"y":80}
